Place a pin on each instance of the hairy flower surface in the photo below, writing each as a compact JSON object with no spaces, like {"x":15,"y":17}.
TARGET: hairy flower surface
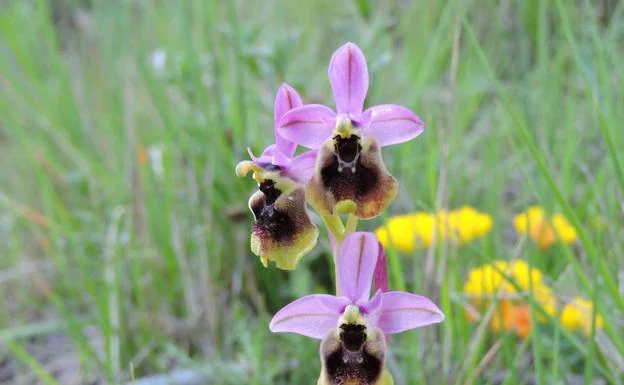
{"x":544,"y":230}
{"x":282,"y":230}
{"x":409,"y":232}
{"x":349,"y":166}
{"x":392,"y":312}
{"x":577,"y":315}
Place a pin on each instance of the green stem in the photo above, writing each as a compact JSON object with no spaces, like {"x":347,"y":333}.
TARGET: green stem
{"x":351,"y":226}
{"x":336,"y":228}
{"x":352,"y":222}
{"x":334,"y":224}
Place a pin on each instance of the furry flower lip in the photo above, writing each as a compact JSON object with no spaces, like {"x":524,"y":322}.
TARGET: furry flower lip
{"x":349,"y":166}
{"x":282,"y":230}
{"x":391,"y":312}
{"x":354,"y":353}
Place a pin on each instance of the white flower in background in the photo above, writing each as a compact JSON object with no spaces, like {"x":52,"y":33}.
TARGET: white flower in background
{"x":155,"y":155}
{"x":158,"y":61}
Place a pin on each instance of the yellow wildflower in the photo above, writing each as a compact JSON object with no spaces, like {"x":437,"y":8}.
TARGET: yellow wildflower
{"x":398,"y":233}
{"x":485,"y":280}
{"x":488,"y":279}
{"x":544,"y":297}
{"x":411,"y":231}
{"x":512,"y":312}
{"x":520,"y":273}
{"x":467,"y":224}
{"x":502,"y":316}
{"x":542,"y":230}
{"x":533,"y":214}
{"x":564,"y":229}
{"x":577,"y":315}
{"x":511,"y":317}
{"x":522,"y":320}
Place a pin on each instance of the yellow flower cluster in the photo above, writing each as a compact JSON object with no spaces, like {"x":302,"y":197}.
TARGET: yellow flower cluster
{"x":544,"y":231}
{"x":512,"y":317}
{"x":577,"y":315}
{"x":512,"y":312}
{"x":419,"y":230}
{"x":495,"y":279}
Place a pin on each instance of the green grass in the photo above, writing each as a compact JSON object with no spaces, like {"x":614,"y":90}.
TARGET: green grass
{"x":147,"y":268}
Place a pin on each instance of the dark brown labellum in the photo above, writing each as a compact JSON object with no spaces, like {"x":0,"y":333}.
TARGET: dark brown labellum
{"x":352,"y":362}
{"x":351,"y":169}
{"x":271,"y":222}
{"x":345,"y":176}
{"x":352,"y":336}
{"x":282,"y":231}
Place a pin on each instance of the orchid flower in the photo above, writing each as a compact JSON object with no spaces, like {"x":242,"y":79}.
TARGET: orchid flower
{"x":278,"y":160}
{"x":282,"y":230}
{"x":351,"y":325}
{"x":392,"y":312}
{"x":349,"y":166}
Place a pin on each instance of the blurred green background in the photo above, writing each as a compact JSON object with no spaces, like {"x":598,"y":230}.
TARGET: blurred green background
{"x":124,"y":231}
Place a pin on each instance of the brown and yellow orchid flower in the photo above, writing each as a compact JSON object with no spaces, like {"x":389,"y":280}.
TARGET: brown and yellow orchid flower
{"x":282,"y":230}
{"x":350,"y":174}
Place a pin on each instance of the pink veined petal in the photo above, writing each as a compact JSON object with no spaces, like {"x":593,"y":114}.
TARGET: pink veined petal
{"x":285,"y":100}
{"x":266,"y":157}
{"x":356,"y":263}
{"x":371,"y":309}
{"x":310,"y":125}
{"x":402,"y":311}
{"x":374,"y":304}
{"x":301,"y":167}
{"x":280,"y":159}
{"x":348,"y":76}
{"x":381,"y":271}
{"x":392,"y":124}
{"x":312,"y":316}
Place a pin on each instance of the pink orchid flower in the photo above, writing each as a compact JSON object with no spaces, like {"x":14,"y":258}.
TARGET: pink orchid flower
{"x":281,"y":155}
{"x":349,"y":166}
{"x":282,"y":230}
{"x":391,"y":312}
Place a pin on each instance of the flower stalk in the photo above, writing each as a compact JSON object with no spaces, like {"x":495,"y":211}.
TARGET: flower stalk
{"x":342,"y":174}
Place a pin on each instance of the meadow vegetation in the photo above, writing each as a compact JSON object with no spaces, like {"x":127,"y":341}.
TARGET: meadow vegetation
{"x":124,"y":232}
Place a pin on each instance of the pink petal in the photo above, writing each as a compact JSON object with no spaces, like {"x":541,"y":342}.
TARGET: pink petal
{"x":392,"y":124}
{"x":356,"y":264}
{"x":265,"y":158}
{"x":348,"y":76}
{"x":312,"y":316}
{"x":285,"y":100}
{"x":310,"y":125}
{"x":372,"y":307}
{"x":301,"y":167}
{"x":381,"y":271}
{"x":279,"y":158}
{"x":402,"y":311}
